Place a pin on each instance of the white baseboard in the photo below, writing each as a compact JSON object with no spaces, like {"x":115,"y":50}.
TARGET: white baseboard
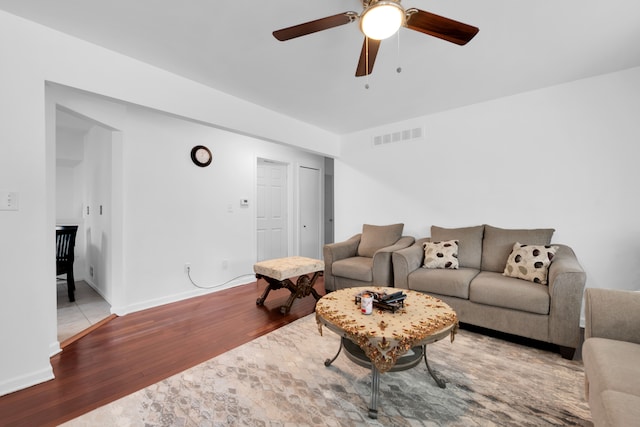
{"x":54,"y":348}
{"x":196,"y":292}
{"x":24,"y":381}
{"x":97,"y":290}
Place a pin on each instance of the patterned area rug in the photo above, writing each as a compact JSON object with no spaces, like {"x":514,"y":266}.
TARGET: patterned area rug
{"x":280,"y":380}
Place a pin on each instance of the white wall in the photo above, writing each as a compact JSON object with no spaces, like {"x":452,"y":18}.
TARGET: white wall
{"x":96,"y":196}
{"x":65,"y":204}
{"x":563,"y":157}
{"x":31,"y":56}
{"x":173,"y":212}
{"x":176,"y":212}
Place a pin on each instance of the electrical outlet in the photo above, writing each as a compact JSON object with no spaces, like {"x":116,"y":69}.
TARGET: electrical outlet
{"x":187,"y":267}
{"x":91,"y":270}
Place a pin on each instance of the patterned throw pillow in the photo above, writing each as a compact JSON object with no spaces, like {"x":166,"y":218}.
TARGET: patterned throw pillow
{"x":441,"y":254}
{"x":530,"y":262}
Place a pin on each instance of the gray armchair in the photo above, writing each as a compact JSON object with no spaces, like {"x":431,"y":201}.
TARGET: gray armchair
{"x":611,"y":356}
{"x":364,"y":259}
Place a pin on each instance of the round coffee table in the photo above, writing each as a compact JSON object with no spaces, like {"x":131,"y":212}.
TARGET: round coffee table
{"x":386,"y":341}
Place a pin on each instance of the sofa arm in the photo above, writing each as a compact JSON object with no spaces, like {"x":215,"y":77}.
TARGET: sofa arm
{"x":334,"y":252}
{"x":407,"y":260}
{"x":566,"y":289}
{"x":612,"y":314}
{"x":383,"y":264}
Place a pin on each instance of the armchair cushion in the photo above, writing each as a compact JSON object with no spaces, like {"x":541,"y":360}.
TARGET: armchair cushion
{"x":622,"y":409}
{"x":611,"y":364}
{"x":498,"y":243}
{"x":356,"y":268}
{"x":469,"y":243}
{"x":610,"y":354}
{"x":376,"y":237}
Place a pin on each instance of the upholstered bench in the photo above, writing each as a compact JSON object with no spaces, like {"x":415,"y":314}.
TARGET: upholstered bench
{"x":278,"y":273}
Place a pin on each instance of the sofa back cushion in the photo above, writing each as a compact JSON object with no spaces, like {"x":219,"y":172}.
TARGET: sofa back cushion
{"x":375,"y":237}
{"x":498,"y":243}
{"x":469,"y":243}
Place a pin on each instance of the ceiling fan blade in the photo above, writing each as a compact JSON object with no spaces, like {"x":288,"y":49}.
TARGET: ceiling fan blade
{"x":314,"y":26}
{"x":364,"y":69}
{"x":440,"y":27}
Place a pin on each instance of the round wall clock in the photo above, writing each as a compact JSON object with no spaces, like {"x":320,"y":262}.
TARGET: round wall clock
{"x":201,"y":156}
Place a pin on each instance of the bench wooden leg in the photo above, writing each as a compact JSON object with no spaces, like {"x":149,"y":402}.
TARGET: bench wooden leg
{"x":302,"y":288}
{"x":271,"y":284}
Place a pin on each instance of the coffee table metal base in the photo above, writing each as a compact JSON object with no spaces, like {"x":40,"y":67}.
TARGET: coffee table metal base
{"x":407,"y":361}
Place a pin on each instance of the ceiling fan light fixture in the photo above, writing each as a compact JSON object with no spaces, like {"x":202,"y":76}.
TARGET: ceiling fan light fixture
{"x":382,"y":19}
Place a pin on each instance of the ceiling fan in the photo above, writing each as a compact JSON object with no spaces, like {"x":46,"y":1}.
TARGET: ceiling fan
{"x":381,"y":19}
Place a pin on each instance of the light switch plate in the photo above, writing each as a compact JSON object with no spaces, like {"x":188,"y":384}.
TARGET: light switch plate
{"x":8,"y":200}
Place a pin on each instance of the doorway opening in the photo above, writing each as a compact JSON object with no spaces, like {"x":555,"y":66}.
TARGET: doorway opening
{"x":83,"y":188}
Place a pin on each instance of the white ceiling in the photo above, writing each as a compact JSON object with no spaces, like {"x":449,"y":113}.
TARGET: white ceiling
{"x":521,"y":46}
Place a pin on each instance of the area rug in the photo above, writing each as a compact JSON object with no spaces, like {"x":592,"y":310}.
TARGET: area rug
{"x":280,"y":379}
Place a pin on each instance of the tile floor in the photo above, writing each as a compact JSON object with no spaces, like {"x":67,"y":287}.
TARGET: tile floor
{"x":74,"y":317}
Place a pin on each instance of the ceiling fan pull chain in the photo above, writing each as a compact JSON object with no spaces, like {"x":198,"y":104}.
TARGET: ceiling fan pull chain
{"x":366,"y":61}
{"x":399,"y":69}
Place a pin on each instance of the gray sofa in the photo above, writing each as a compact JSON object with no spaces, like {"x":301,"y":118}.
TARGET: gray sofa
{"x":611,"y":356}
{"x":364,"y":259}
{"x":481,"y":295}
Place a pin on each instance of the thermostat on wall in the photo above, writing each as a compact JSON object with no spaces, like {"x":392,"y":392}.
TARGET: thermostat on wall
{"x":8,"y":201}
{"x":244,"y":203}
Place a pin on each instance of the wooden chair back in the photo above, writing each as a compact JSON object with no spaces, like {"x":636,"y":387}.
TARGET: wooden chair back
{"x":65,"y":243}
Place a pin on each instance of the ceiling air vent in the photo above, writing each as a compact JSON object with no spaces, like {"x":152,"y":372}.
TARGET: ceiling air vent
{"x":399,"y":136}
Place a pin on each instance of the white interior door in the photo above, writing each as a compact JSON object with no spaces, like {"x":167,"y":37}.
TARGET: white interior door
{"x":271,"y":210}
{"x":310,"y":212}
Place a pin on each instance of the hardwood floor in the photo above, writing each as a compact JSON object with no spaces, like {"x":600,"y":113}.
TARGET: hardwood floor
{"x":134,"y":351}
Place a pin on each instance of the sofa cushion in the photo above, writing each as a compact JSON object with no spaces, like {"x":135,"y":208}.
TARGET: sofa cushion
{"x":375,"y":237}
{"x":492,"y":288}
{"x":530,"y":262}
{"x":441,"y":254}
{"x":453,"y":283}
{"x":498,"y":242}
{"x":357,"y":268}
{"x":611,"y":365}
{"x":469,"y":243}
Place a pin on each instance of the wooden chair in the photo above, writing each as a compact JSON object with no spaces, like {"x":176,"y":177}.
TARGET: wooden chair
{"x":65,"y":243}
